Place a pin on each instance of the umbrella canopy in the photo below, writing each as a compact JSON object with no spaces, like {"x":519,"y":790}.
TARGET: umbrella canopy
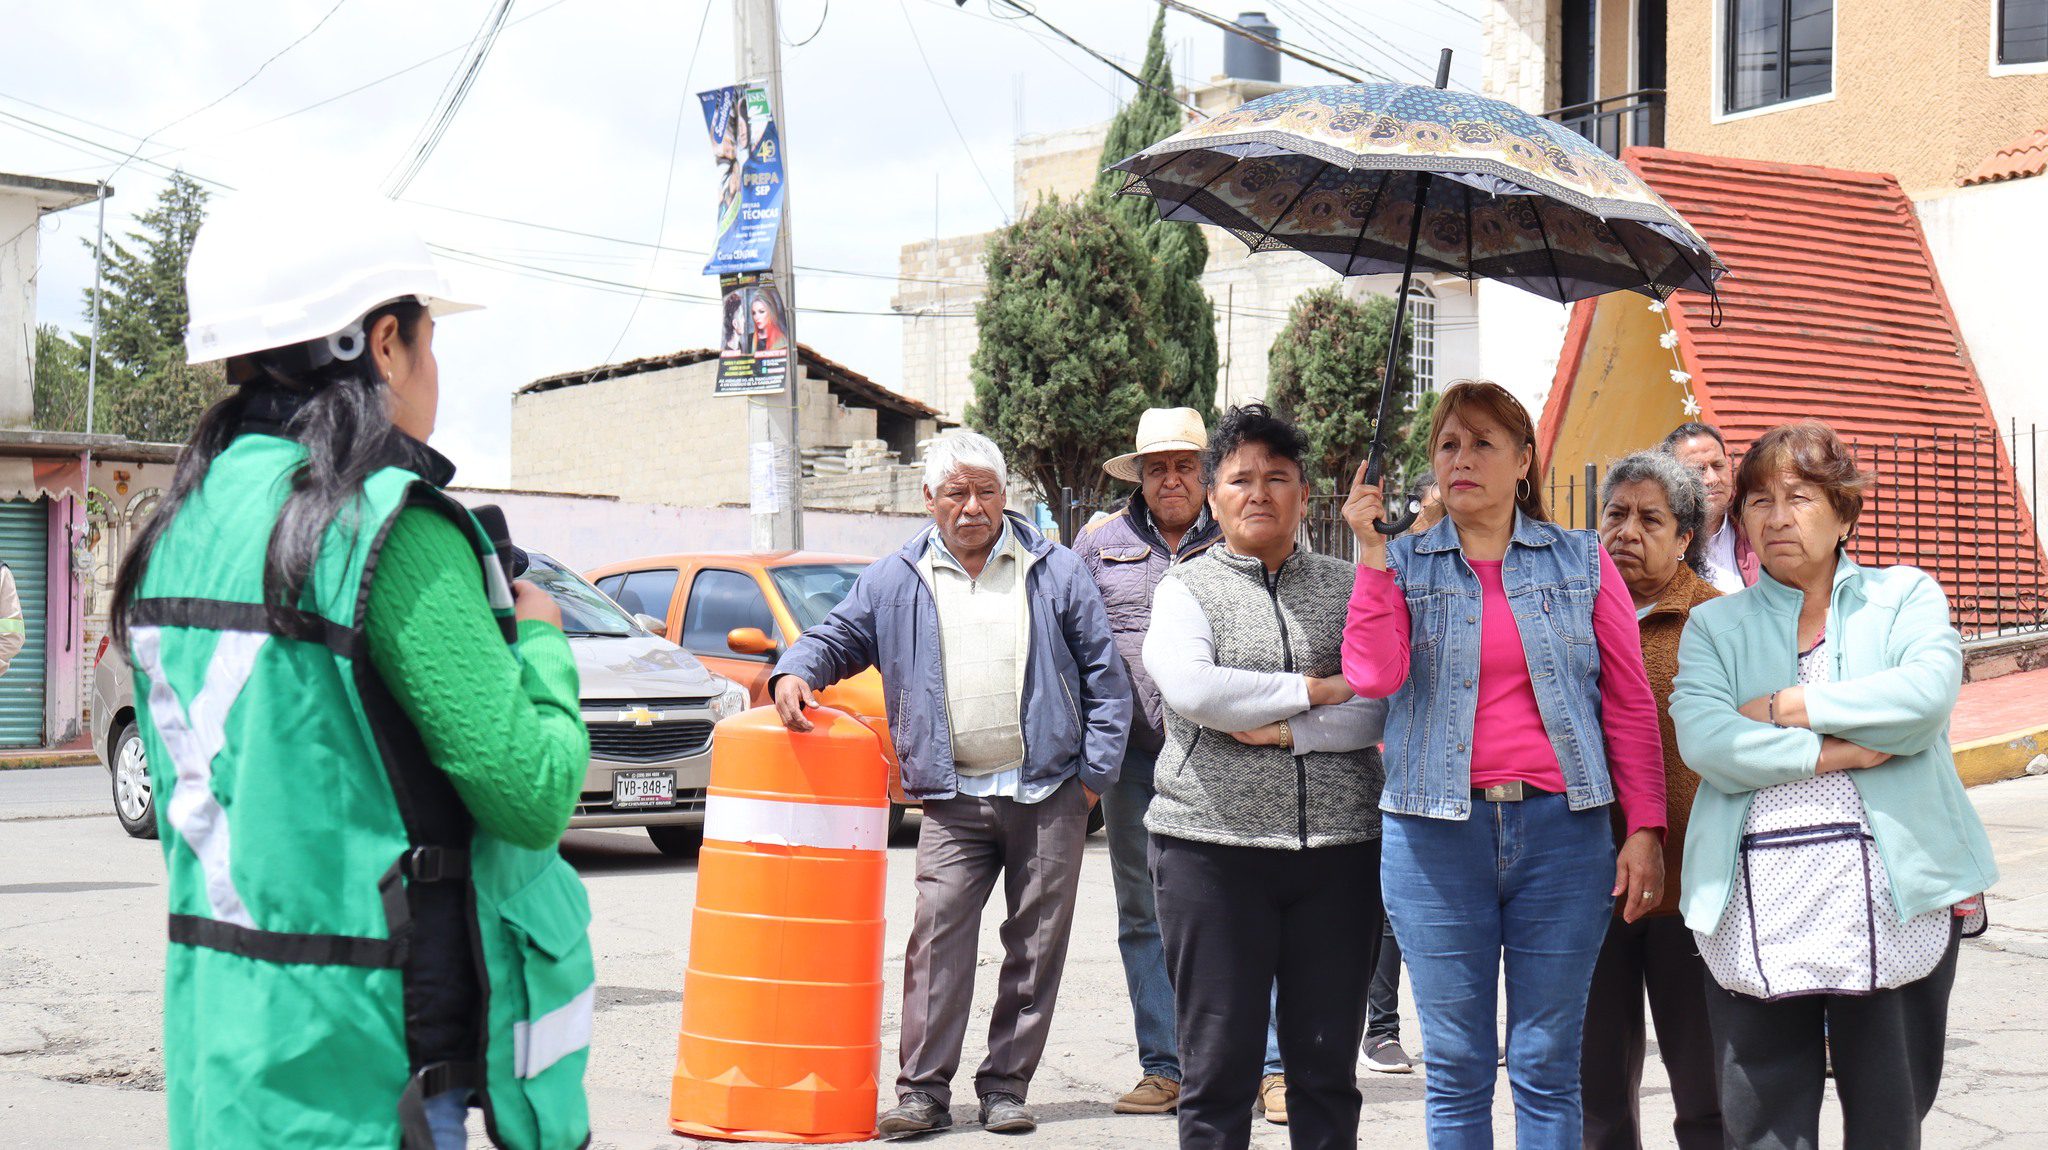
{"x":1334,"y":172}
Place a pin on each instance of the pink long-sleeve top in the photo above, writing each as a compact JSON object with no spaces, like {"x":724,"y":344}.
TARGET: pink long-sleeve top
{"x":1509,"y":741}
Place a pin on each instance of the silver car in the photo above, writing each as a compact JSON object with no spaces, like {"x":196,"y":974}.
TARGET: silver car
{"x":649,"y":705}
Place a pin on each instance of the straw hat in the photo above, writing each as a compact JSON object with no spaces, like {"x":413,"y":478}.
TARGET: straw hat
{"x":1161,"y":429}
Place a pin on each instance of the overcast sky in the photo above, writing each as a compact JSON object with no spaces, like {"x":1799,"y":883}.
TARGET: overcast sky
{"x":571,"y":124}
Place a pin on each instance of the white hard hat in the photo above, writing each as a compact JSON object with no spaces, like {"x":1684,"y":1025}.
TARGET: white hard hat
{"x":270,"y":270}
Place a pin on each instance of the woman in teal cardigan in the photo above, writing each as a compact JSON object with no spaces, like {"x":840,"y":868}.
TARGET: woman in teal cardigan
{"x":1831,"y":839}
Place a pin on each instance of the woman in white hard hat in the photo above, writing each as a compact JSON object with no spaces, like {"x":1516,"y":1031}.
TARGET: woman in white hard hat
{"x":363,"y":744}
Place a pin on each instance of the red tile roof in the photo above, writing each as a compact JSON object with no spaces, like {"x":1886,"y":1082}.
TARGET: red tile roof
{"x":1833,"y":310}
{"x":2026,"y":156}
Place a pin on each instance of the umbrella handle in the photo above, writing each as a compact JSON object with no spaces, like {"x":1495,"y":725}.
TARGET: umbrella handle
{"x":1399,"y":522}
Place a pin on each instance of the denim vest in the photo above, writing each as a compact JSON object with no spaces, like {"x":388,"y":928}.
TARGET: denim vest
{"x":1552,"y":576}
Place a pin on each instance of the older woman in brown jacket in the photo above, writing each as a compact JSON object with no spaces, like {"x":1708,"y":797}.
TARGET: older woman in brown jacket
{"x":1652,"y":507}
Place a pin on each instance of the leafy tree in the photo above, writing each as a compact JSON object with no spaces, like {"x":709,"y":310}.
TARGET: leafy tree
{"x":1066,"y":362}
{"x":1324,"y":374}
{"x":1184,"y":322}
{"x":145,"y":390}
{"x":59,"y":381}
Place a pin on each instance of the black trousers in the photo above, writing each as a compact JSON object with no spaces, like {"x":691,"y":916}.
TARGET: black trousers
{"x":1658,"y":956}
{"x":1235,"y":920}
{"x":1383,"y":1001}
{"x":1887,"y":1051}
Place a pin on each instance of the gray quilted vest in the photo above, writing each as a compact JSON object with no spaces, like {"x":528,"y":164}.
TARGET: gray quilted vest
{"x":1214,"y":789}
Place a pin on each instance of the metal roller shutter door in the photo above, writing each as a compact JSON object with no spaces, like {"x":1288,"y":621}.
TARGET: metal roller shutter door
{"x":24,"y":547}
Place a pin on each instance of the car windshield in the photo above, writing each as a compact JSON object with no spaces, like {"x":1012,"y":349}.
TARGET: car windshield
{"x":812,"y":590}
{"x":585,"y":610}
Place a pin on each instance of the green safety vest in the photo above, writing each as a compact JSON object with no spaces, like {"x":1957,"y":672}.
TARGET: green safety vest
{"x":303,"y":826}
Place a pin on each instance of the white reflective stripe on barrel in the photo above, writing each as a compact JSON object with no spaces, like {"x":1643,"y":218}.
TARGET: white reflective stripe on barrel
{"x":737,"y":820}
{"x":553,"y":1036}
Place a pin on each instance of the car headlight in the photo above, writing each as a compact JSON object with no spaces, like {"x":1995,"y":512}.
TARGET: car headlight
{"x":730,"y":702}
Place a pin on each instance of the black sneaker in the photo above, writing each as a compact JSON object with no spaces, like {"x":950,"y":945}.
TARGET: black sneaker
{"x":1006,"y":1114}
{"x":914,"y":1113}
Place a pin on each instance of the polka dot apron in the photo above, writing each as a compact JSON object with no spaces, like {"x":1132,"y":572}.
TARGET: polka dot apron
{"x":1811,"y":910}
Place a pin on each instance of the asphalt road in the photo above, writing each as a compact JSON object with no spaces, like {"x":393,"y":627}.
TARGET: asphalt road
{"x":81,"y":948}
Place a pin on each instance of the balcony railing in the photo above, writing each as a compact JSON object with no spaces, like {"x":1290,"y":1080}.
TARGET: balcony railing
{"x":1634,"y":119}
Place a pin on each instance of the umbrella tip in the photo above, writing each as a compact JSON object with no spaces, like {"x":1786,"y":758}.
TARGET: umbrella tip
{"x":1443,"y":69}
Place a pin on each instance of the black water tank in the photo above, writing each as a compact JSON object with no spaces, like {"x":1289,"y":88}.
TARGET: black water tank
{"x":1247,"y":59}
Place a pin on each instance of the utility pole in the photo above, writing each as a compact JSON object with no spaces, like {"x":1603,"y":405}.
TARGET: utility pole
{"x":772,"y":419}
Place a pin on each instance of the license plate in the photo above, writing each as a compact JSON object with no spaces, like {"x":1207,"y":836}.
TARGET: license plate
{"x":639,"y":790}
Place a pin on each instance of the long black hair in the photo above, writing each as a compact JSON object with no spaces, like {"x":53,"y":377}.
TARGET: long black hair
{"x":336,"y":409}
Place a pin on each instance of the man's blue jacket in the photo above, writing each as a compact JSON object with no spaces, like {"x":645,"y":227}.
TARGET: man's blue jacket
{"x":1076,"y":709}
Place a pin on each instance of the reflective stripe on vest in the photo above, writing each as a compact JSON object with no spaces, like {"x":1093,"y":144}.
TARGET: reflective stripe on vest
{"x":741,"y":820}
{"x":553,"y":1036}
{"x":194,"y":738}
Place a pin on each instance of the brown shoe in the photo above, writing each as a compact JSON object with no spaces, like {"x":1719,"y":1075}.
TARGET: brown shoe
{"x":1273,"y":1098}
{"x":1154,"y":1094}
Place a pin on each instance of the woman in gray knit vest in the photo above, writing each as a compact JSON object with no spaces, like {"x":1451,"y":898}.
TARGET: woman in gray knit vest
{"x":1265,"y":828}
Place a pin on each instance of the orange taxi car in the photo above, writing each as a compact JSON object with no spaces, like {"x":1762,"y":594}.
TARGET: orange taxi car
{"x":738,"y":611}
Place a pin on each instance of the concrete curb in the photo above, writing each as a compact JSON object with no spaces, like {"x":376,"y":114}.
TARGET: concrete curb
{"x":50,"y":759}
{"x":1999,"y":757}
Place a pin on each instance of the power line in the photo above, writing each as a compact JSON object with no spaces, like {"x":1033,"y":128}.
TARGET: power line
{"x":317,"y":104}
{"x":668,"y":185}
{"x":1454,"y":10}
{"x":599,"y":283}
{"x":1378,"y":46}
{"x":697,"y":252}
{"x":1126,"y":73}
{"x":111,"y":150}
{"x":450,"y":101}
{"x":1001,"y":208}
{"x":822,"y":16}
{"x":1277,"y":45}
{"x":274,"y":57}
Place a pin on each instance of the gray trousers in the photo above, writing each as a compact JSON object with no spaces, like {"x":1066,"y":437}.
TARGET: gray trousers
{"x":965,"y":843}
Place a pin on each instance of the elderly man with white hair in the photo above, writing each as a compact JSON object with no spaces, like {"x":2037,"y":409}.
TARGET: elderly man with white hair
{"x":1009,"y":708}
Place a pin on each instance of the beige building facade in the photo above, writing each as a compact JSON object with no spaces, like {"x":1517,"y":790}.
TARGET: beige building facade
{"x":588,"y":432}
{"x":1923,"y":90}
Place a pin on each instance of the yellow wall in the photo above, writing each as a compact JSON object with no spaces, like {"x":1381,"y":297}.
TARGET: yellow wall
{"x":1913,"y":93}
{"x":1613,"y":25}
{"x":1622,"y":399}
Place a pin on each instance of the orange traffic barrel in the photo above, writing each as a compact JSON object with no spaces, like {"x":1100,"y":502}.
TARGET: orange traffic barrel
{"x":782,"y":997}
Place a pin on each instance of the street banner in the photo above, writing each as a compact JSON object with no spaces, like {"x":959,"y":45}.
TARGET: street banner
{"x":748,"y":149}
{"x":753,"y":345}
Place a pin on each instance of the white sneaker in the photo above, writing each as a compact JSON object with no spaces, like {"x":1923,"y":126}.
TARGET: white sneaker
{"x":1385,"y":1056}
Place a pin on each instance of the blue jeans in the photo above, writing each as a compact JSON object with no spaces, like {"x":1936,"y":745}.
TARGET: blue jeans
{"x":1528,"y":882}
{"x":1137,"y":918}
{"x":1273,"y":1065}
{"x":448,"y":1117}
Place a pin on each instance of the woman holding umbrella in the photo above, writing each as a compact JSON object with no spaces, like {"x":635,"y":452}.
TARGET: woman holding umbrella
{"x":1519,"y":710}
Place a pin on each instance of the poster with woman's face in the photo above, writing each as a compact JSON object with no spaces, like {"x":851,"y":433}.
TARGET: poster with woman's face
{"x":753,"y":347}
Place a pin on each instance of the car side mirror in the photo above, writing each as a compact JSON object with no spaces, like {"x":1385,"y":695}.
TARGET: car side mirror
{"x":651,"y":623}
{"x":749,"y":641}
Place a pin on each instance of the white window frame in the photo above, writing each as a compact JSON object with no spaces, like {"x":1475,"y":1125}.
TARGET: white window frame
{"x":1420,"y":295}
{"x":1997,"y":69}
{"x":1716,"y":114}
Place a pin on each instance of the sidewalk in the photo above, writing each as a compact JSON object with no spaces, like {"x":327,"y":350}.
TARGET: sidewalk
{"x":76,"y":753}
{"x":1999,"y":726}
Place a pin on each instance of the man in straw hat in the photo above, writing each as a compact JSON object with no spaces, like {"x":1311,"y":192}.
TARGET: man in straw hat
{"x":1166,"y":519}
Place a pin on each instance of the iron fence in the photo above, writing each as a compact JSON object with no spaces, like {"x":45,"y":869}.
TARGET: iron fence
{"x":1960,"y":506}
{"x":1634,"y":119}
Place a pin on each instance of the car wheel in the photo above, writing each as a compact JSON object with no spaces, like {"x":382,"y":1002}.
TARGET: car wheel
{"x":1095,"y":817}
{"x":677,"y":842}
{"x":896,"y":813}
{"x":133,"y":803}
